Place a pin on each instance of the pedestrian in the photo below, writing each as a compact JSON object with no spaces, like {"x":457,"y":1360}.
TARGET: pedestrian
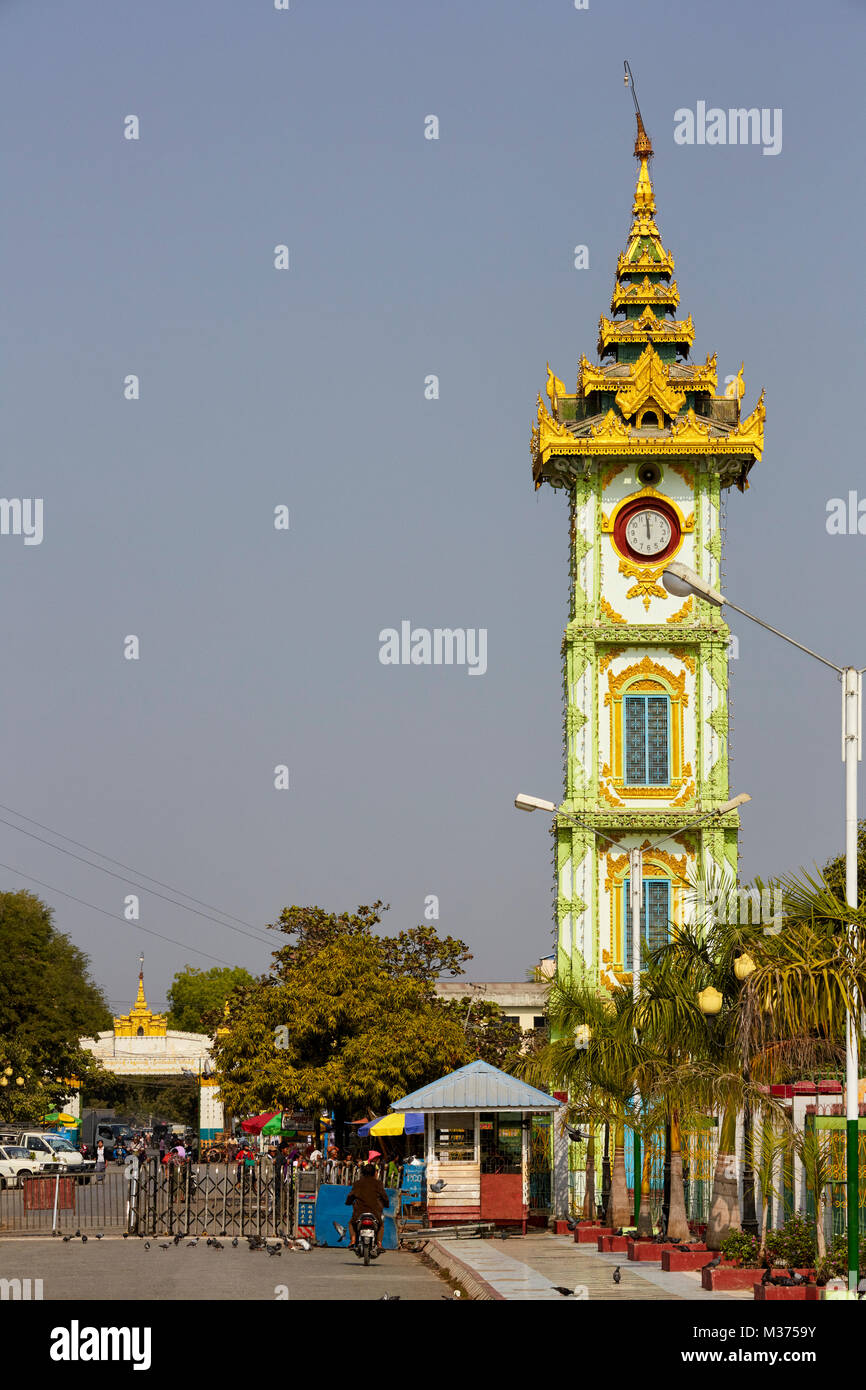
{"x":100,"y":1162}
{"x":162,"y":1148}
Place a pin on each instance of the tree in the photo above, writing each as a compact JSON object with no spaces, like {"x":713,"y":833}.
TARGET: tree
{"x":594,"y":1056}
{"x":48,"y":1001}
{"x":490,"y":1036}
{"x":197,"y":997}
{"x":346,"y":1019}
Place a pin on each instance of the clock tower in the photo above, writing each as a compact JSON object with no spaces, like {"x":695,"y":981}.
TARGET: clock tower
{"x":644,"y":448}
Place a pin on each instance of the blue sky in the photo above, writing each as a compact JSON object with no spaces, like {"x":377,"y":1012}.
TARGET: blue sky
{"x":306,"y":387}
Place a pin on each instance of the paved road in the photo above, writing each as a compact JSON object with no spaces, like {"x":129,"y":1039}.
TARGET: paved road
{"x":123,"y":1270}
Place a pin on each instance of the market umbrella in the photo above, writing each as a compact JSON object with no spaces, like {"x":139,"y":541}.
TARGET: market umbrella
{"x":58,"y":1117}
{"x":408,"y":1122}
{"x":257,"y":1123}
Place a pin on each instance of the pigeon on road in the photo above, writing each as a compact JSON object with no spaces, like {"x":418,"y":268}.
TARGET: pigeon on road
{"x":217,"y":1245}
{"x":566,"y":1293}
{"x":341,"y":1230}
{"x":274,"y":1249}
{"x":390,"y":1298}
{"x":616,"y":1275}
{"x":438,"y":1185}
{"x":147,"y":1245}
{"x":165,"y":1245}
{"x":713,"y":1264}
{"x":66,"y":1238}
{"x":191,"y":1244}
{"x":235,"y":1243}
{"x":101,"y":1235}
{"x":302,"y":1244}
{"x":84,"y":1240}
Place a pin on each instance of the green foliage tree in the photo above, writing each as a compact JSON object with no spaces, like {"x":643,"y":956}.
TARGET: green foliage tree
{"x":489,"y":1034}
{"x":197,"y":998}
{"x":347,"y":1019}
{"x":48,"y":1001}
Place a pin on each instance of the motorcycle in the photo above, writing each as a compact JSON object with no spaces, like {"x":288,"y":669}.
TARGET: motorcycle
{"x":366,"y":1246}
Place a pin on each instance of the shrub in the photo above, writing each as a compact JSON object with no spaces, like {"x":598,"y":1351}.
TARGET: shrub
{"x":740,"y":1247}
{"x":793,"y":1245}
{"x":835,"y":1263}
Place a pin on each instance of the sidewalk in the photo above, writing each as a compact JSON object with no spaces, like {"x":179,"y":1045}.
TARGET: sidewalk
{"x":527,"y":1268}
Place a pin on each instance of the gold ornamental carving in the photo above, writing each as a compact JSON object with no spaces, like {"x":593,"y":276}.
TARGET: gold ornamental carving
{"x":675,"y":681}
{"x":682,"y":613}
{"x":650,"y":378}
{"x":646,"y":585}
{"x":610,"y":473}
{"x":607,"y":657}
{"x":611,"y":613}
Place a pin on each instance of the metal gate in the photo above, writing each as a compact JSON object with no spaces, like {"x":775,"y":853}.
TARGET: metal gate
{"x":215,"y":1199}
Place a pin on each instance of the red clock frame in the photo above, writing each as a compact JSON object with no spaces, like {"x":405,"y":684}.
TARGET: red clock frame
{"x":647,"y":504}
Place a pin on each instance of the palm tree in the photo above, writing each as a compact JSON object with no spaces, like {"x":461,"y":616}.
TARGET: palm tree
{"x":599,"y":1072}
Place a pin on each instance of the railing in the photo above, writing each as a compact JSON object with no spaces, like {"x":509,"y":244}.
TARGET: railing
{"x":66,"y":1201}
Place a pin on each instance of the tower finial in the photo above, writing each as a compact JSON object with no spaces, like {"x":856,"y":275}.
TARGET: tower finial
{"x":643,"y":146}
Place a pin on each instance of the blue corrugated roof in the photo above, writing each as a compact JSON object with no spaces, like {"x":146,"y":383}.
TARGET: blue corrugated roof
{"x":479,"y":1086}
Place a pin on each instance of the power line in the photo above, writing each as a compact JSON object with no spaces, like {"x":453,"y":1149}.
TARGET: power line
{"x":60,"y":850}
{"x":114,"y":917}
{"x":118,"y":864}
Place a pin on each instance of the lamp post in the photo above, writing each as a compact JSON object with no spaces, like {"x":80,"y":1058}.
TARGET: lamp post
{"x":679,"y":579}
{"x":635,"y":860}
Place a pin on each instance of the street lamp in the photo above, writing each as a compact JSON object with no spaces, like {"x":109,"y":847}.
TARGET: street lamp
{"x":635,"y":859}
{"x":680,"y":580}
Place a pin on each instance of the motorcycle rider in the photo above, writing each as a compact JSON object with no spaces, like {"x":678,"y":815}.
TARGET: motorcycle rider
{"x":367,"y":1194}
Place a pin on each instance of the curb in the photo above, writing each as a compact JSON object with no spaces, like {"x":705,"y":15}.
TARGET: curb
{"x":477,"y":1288}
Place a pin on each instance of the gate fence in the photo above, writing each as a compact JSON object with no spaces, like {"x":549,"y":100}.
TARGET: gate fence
{"x":92,"y":1203}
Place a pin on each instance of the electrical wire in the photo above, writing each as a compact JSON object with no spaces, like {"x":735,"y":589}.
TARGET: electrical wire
{"x":119,"y":865}
{"x":133,"y":882}
{"x":113,"y":915}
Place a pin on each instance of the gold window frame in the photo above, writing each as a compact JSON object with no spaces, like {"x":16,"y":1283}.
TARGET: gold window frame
{"x":642,"y":678}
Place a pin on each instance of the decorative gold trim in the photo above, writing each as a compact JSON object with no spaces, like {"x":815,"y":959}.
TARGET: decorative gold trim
{"x":685,"y":795}
{"x":555,"y":389}
{"x":645,"y":675}
{"x":646,"y":584}
{"x":607,"y":657}
{"x":611,"y":613}
{"x":610,"y":473}
{"x":650,"y":378}
{"x":685,"y":471}
{"x":682,"y":613}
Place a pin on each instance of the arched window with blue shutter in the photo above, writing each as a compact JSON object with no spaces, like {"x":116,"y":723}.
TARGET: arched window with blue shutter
{"x":655,"y":916}
{"x":647,"y":740}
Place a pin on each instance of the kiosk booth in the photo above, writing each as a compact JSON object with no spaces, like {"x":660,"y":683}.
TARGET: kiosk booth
{"x":488,"y":1140}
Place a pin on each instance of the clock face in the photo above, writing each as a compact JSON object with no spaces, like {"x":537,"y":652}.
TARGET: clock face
{"x":648,"y":532}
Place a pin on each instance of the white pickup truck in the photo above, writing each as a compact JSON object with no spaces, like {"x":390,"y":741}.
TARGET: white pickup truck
{"x":16,"y":1163}
{"x":53,"y":1149}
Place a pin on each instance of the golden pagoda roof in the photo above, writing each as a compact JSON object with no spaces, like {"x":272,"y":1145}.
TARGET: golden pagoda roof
{"x":140,"y":1021}
{"x":683,"y":413}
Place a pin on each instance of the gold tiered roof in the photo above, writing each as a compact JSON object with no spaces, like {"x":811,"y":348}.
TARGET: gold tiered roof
{"x":140,"y":1021}
{"x":643,"y":372}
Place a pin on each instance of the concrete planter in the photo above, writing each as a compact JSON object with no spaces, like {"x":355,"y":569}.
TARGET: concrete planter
{"x":803,"y":1293}
{"x":647,"y":1251}
{"x":725,"y":1277}
{"x":588,"y":1235}
{"x":674,"y":1261}
{"x":612,"y":1245}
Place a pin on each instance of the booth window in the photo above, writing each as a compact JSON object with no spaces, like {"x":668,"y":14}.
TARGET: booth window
{"x":454,"y":1139}
{"x":501,"y":1143}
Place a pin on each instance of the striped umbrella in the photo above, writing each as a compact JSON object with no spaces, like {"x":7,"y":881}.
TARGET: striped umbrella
{"x":409,"y":1122}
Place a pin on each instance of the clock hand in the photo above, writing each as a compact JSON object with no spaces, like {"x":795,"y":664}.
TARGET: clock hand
{"x":648,"y":536}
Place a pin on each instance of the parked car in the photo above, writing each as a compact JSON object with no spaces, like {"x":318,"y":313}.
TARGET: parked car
{"x":51,"y":1149}
{"x":15,"y":1163}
